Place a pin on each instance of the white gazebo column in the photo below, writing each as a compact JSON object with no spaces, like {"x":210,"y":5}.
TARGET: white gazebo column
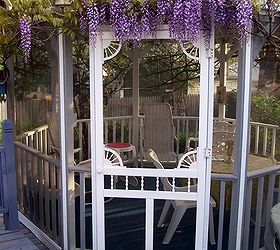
{"x":135,"y":96}
{"x":223,"y":78}
{"x":66,"y":140}
{"x":97,"y":143}
{"x":205,"y":141}
{"x":241,"y":145}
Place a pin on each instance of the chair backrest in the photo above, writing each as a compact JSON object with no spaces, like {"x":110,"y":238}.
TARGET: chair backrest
{"x":159,"y":132}
{"x":53,"y":128}
{"x":188,"y":160}
{"x":112,"y":158}
{"x":152,"y":156}
{"x":223,"y":140}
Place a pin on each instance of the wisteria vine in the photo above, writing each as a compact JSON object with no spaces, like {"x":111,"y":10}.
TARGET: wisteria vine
{"x":185,"y":18}
{"x":25,"y":35}
{"x":138,"y":19}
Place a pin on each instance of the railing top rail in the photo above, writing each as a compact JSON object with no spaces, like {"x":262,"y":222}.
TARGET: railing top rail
{"x":223,"y":177}
{"x":147,"y":172}
{"x":118,"y":117}
{"x":263,"y":172}
{"x":32,"y":132}
{"x":175,"y":117}
{"x":265,"y":125}
{"x":107,"y":118}
{"x":37,"y":153}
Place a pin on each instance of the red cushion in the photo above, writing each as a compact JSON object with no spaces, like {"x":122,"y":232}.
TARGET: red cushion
{"x":118,"y":145}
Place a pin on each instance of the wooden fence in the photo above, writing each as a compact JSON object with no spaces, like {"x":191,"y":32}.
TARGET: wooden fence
{"x":32,"y":113}
{"x":29,"y":113}
{"x":123,"y":106}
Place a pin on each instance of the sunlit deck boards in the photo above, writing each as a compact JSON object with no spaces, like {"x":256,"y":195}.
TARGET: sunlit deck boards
{"x":18,"y":240}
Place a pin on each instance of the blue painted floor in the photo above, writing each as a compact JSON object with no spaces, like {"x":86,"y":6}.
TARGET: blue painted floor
{"x":125,"y":226}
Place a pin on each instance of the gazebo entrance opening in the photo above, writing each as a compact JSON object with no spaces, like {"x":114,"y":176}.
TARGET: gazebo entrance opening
{"x":199,"y":174}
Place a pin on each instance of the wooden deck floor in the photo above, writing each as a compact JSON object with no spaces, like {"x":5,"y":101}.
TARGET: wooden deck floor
{"x":18,"y":240}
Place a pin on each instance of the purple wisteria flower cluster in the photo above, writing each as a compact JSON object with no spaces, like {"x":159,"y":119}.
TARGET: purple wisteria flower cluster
{"x":138,"y":19}
{"x":25,"y":35}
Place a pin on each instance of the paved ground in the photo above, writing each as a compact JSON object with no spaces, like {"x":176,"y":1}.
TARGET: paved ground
{"x":22,"y":239}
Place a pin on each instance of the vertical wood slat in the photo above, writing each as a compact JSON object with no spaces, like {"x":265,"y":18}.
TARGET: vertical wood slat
{"x":59,"y":209}
{"x":29,"y":185}
{"x":114,"y":130}
{"x":47,"y":196}
{"x":53,"y":200}
{"x":187,"y":128}
{"x":34,"y":187}
{"x":221,"y":214}
{"x":269,"y":197}
{"x":81,"y":156}
{"x":273,"y":143}
{"x":196,"y":128}
{"x":265,"y":140}
{"x":257,"y":135}
{"x":89,"y":141}
{"x":41,"y":192}
{"x":258,"y":213}
{"x":122,"y":130}
{"x":130,"y":132}
{"x":82,"y":212}
{"x":247,"y":214}
{"x":278,"y":198}
{"x":178,"y":136}
{"x":149,"y":238}
{"x":19,"y":178}
{"x":46,"y":142}
{"x":23,"y":180}
{"x":106,"y":140}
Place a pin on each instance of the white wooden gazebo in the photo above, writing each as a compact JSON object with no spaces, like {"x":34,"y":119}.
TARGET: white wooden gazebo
{"x":203,"y":174}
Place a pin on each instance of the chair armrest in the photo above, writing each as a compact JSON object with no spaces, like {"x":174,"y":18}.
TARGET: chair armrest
{"x":188,"y":142}
{"x":76,"y":150}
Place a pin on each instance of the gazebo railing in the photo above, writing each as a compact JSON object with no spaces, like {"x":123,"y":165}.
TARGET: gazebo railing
{"x":36,"y":139}
{"x":258,"y":205}
{"x":39,"y":192}
{"x":116,"y":129}
{"x":119,"y":129}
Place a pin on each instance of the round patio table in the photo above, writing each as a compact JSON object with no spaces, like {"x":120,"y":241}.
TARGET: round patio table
{"x":123,"y":147}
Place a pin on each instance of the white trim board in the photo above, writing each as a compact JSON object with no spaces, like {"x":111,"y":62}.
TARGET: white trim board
{"x":40,"y":235}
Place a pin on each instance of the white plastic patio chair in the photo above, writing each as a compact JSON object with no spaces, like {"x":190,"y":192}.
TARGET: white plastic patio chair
{"x":111,"y":159}
{"x":159,"y":132}
{"x":223,"y":141}
{"x":54,"y":133}
{"x":189,"y":160}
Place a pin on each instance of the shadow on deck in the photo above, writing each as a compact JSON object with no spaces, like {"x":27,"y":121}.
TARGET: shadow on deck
{"x":125,"y":227}
{"x":21,"y":239}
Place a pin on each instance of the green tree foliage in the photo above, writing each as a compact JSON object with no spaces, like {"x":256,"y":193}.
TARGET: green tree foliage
{"x":266,"y":109}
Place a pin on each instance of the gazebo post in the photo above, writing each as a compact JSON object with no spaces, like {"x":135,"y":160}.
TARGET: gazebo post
{"x":223,"y":78}
{"x":205,"y":140}
{"x":66,"y":140}
{"x":96,"y":60}
{"x":53,"y":53}
{"x":242,"y":144}
{"x":135,"y":96}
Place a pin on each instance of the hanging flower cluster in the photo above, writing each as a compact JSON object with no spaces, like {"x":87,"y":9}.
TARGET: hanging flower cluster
{"x":138,"y":19}
{"x":25,"y":35}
